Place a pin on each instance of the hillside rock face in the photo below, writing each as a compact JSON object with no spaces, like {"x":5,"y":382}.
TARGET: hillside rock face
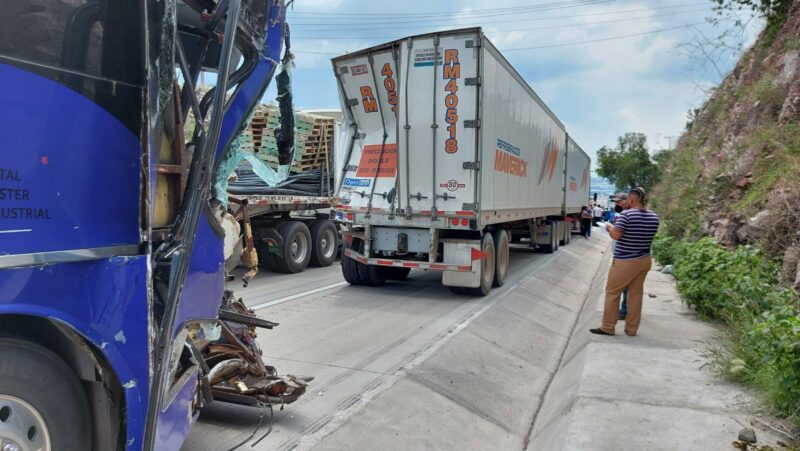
{"x":735,"y":173}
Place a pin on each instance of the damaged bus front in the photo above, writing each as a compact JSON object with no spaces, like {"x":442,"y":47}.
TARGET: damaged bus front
{"x":115,"y":323}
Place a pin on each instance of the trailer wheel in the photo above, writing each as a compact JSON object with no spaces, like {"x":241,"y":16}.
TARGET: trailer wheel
{"x":296,"y":247}
{"x":563,"y":241}
{"x":396,"y":273}
{"x":487,"y":266}
{"x":324,"y":243}
{"x":42,"y":402}
{"x":503,"y":254}
{"x":350,"y":268}
{"x":371,"y":275}
{"x":553,"y":246}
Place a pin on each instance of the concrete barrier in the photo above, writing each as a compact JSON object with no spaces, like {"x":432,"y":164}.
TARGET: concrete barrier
{"x":482,"y":389}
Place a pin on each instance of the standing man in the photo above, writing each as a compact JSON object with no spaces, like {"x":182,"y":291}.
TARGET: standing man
{"x":598,"y":214}
{"x":634,"y":232}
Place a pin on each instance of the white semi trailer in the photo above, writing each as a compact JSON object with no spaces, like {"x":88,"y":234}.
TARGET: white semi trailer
{"x":447,"y":156}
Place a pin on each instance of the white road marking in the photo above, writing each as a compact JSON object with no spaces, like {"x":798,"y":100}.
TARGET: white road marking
{"x":16,"y":231}
{"x":298,"y":295}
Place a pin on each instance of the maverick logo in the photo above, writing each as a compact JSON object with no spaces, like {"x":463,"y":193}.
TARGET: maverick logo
{"x":506,"y":159}
{"x":549,"y":162}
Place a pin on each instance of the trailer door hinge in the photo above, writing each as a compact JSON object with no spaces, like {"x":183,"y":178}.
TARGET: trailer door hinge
{"x":352,"y":102}
{"x":470,"y":207}
{"x":472,"y":43}
{"x":344,"y":70}
{"x":473,"y":81}
{"x":472,"y":165}
{"x":474,"y":123}
{"x":360,"y":135}
{"x":350,"y":167}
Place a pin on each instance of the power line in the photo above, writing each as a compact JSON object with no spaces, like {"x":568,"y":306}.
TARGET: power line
{"x":592,"y":41}
{"x":452,"y":16}
{"x":328,"y":15}
{"x":518,"y":19}
{"x":565,"y":44}
{"x":551,"y":27}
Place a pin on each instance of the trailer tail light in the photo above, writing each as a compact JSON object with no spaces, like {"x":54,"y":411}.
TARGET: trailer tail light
{"x":350,"y":217}
{"x":465,"y":222}
{"x":454,"y":221}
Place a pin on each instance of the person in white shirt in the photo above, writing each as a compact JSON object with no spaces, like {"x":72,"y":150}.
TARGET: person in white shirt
{"x":598,"y":214}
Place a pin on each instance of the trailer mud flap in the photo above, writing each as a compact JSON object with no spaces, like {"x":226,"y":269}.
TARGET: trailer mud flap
{"x":462,"y":253}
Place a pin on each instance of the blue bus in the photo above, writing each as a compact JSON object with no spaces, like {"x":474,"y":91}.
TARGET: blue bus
{"x":111,"y":248}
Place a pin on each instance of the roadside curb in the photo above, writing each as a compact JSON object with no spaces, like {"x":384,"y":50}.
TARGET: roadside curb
{"x":648,"y":392}
{"x":482,"y":388}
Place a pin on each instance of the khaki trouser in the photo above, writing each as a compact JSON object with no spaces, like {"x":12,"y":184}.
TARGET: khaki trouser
{"x":631,"y":274}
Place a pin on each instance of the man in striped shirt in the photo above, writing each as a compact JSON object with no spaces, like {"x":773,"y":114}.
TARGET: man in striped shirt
{"x":633,"y":231}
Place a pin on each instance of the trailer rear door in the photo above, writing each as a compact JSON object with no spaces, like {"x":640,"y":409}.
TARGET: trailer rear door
{"x":368,"y":90}
{"x":439,"y":91}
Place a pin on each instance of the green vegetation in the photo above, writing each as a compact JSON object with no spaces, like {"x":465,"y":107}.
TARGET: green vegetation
{"x":740,"y":288}
{"x":629,"y":165}
{"x":774,"y":11}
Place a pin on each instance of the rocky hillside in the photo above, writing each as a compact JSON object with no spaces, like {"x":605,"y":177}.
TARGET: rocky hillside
{"x":735,"y":173}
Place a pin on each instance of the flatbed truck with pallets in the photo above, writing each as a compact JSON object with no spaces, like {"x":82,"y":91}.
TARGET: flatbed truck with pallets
{"x":448,"y":155}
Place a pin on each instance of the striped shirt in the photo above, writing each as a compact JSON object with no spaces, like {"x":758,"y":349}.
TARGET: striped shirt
{"x":638,"y":226}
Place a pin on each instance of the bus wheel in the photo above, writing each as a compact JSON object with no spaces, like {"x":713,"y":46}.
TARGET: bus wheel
{"x":42,"y":402}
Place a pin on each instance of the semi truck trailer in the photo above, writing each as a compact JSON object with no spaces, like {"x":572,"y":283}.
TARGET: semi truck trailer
{"x":447,"y":156}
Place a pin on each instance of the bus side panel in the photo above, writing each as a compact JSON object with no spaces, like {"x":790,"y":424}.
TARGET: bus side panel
{"x":69,"y":177}
{"x":104,"y":301}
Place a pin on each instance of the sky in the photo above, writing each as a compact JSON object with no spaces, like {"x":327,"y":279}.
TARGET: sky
{"x":605,"y":67}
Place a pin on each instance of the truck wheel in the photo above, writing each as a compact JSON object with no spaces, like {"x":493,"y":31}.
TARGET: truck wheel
{"x":550,"y":248}
{"x":371,"y":275}
{"x":324,"y":243}
{"x":563,"y":235}
{"x":556,"y":238}
{"x":503,"y":254}
{"x":296,"y":247}
{"x":396,"y":273}
{"x":42,"y":402}
{"x":487,"y":266}
{"x":350,"y":268}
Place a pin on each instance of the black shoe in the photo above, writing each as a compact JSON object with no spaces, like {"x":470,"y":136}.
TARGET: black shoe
{"x":599,"y":331}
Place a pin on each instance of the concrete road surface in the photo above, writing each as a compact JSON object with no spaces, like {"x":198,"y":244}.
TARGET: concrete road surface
{"x":360,"y":341}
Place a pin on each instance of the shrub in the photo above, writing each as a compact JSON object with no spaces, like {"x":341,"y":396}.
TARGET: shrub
{"x":741,"y":288}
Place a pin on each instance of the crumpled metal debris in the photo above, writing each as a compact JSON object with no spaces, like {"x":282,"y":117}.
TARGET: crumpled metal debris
{"x":236,"y":369}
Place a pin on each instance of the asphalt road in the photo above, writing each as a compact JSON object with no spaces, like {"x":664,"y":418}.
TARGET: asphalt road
{"x":354,"y":340}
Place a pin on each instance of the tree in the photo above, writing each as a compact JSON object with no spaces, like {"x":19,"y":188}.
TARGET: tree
{"x":628,"y":165}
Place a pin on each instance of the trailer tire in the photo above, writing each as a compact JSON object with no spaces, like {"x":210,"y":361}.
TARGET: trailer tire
{"x":396,"y":272}
{"x":371,"y":275}
{"x":350,"y":267}
{"x":563,"y":241}
{"x":556,"y":238}
{"x":296,"y":251}
{"x":488,"y":263}
{"x":41,"y":398}
{"x":324,"y":243}
{"x":552,"y":247}
{"x":503,"y":256}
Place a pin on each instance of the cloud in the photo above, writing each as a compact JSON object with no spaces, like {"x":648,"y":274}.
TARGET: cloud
{"x":600,"y":90}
